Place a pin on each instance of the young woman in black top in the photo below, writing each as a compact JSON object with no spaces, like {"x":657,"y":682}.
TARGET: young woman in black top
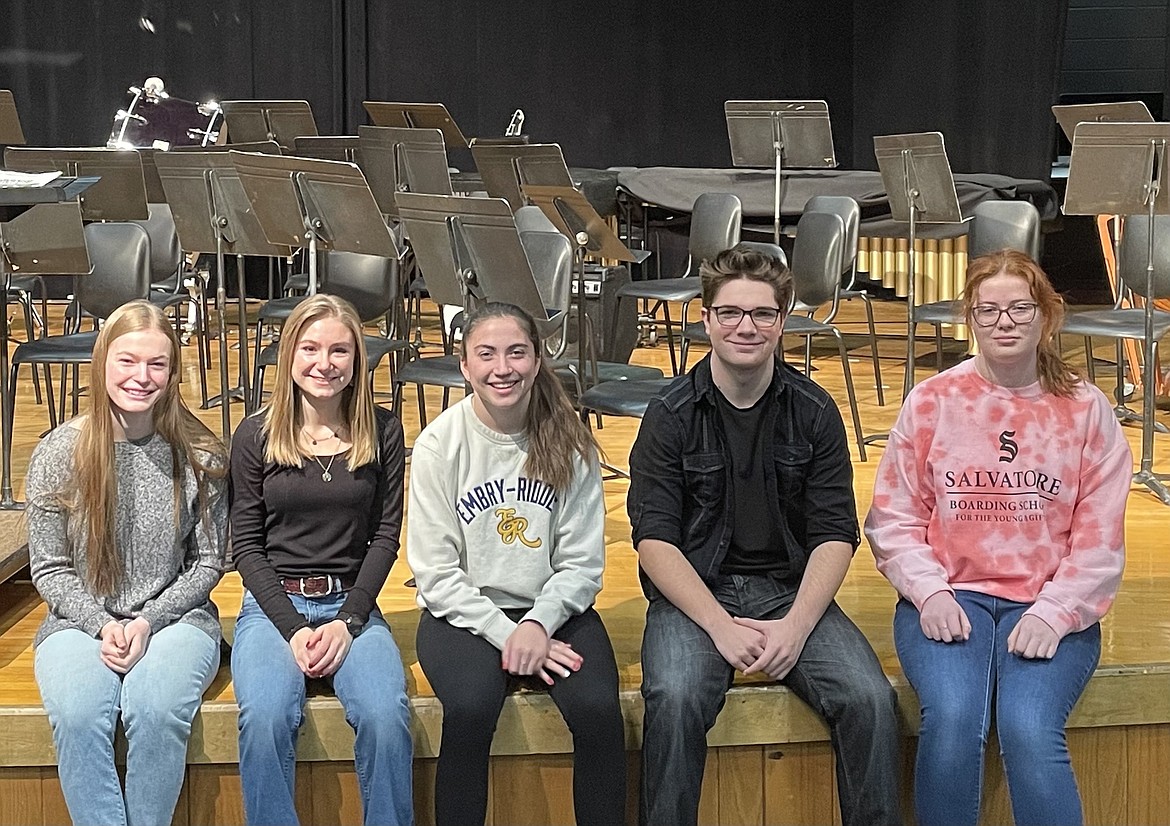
{"x":316,"y":509}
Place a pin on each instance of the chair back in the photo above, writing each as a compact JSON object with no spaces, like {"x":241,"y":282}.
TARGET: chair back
{"x":816,"y":258}
{"x":368,"y":282}
{"x":120,"y":254}
{"x":532,"y":219}
{"x":550,"y":255}
{"x":715,"y":224}
{"x":166,"y":255}
{"x":1001,"y":225}
{"x":1134,"y":253}
{"x":850,"y":214}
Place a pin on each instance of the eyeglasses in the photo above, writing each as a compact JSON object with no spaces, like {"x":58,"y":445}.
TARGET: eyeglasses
{"x":988,"y":315}
{"x":729,"y":316}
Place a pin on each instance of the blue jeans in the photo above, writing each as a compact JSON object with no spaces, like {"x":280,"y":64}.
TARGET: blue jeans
{"x":685,"y":681}
{"x":270,"y":689}
{"x":957,"y":683}
{"x":157,"y":700}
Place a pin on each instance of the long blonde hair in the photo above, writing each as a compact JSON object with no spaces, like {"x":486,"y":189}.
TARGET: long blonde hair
{"x":282,"y":417}
{"x":1057,"y":376}
{"x":91,"y":495}
{"x":555,"y":432}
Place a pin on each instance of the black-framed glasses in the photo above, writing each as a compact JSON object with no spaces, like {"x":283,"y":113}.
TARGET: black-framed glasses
{"x":730,"y":316}
{"x":988,"y":315}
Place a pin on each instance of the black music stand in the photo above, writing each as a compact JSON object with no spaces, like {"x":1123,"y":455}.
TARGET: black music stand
{"x":784,"y":134}
{"x":40,"y":233}
{"x":576,"y":218}
{"x":263,"y":147}
{"x":268,"y":120}
{"x":324,"y":147}
{"x":469,"y":251}
{"x":506,"y":169}
{"x":213,"y":215}
{"x":396,"y":159}
{"x":917,"y":177}
{"x":417,"y":116}
{"x":10,"y":132}
{"x":120,"y":195}
{"x":314,"y":205}
{"x":1127,"y":111}
{"x":1121,"y":169}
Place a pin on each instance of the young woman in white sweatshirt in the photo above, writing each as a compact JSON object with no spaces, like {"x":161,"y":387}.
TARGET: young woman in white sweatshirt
{"x":505,"y":536}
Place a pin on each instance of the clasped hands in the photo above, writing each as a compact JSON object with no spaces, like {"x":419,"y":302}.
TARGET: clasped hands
{"x":768,"y":646}
{"x":123,"y":645}
{"x":944,"y":620}
{"x":320,"y":651}
{"x":530,"y":651}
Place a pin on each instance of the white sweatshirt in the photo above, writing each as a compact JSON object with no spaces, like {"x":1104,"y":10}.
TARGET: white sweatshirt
{"x":482,"y":536}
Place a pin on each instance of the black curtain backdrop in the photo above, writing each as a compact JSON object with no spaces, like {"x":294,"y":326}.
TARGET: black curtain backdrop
{"x":615,"y":83}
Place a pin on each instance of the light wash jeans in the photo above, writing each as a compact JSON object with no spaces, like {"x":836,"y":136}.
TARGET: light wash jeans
{"x":270,"y":688}
{"x":957,"y":685}
{"x":157,"y":699}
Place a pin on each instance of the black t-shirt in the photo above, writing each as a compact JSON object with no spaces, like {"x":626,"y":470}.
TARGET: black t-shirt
{"x":756,"y":546}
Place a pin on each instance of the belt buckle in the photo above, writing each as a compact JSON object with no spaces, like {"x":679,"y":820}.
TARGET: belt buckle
{"x":316,"y":586}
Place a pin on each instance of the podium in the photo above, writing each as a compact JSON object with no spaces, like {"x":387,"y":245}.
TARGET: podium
{"x":917,"y":177}
{"x":40,"y":233}
{"x":792,"y":134}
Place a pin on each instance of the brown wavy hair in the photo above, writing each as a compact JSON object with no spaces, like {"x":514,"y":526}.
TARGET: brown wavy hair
{"x":555,"y":432}
{"x":91,"y":496}
{"x":1057,"y":376}
{"x":754,"y":265}
{"x":282,"y":417}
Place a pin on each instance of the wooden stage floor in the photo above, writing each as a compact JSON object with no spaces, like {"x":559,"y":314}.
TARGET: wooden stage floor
{"x":1135,"y":660}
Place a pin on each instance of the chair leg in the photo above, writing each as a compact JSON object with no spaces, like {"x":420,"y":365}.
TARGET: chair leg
{"x":852,"y":394}
{"x":26,"y":305}
{"x":873,"y":349}
{"x":422,"y":406}
{"x":938,"y":348}
{"x":1089,"y":366}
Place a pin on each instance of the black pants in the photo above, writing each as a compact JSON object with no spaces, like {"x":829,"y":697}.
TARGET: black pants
{"x":464,"y":670}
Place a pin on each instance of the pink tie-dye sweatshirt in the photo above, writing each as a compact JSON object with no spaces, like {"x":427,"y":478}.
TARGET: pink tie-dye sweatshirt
{"x":1014,"y":493}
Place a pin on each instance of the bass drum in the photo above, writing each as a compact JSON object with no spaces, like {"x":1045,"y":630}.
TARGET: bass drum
{"x":155,"y":120}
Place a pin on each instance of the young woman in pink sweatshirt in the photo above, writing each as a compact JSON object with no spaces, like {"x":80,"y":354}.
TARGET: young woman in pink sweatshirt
{"x":998,"y":515}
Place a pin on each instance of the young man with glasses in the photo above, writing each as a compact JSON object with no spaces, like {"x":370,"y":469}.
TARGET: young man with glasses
{"x":741,"y":501}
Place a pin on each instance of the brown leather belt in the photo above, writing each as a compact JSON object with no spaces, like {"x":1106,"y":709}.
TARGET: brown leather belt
{"x":315,"y":586}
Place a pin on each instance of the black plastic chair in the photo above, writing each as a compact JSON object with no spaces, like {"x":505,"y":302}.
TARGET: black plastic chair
{"x":715,"y":226}
{"x":120,"y":256}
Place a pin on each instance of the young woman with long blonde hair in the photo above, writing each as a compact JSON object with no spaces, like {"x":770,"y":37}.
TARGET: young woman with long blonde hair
{"x":126,"y":523}
{"x":316,"y":511}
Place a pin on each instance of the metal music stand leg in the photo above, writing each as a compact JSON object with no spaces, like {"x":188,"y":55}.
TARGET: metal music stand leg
{"x":1146,"y":475}
{"x":7,"y":413}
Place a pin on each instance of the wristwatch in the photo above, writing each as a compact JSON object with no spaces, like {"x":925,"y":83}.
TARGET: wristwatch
{"x":352,"y":624}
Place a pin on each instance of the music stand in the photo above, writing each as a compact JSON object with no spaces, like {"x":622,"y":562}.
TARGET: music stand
{"x":324,"y":147}
{"x":10,"y":132}
{"x":918,"y":181}
{"x":268,"y":120}
{"x":314,"y":205}
{"x":120,"y":195}
{"x":263,"y":147}
{"x":792,"y":134}
{"x":1128,"y":111}
{"x":576,"y":218}
{"x":417,"y":116}
{"x":425,"y":218}
{"x":397,"y":159}
{"x":1120,"y":168}
{"x":505,"y":169}
{"x":41,"y":233}
{"x":213,"y":215}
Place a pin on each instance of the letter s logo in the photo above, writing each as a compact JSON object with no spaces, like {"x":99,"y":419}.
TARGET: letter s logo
{"x":1007,"y":446}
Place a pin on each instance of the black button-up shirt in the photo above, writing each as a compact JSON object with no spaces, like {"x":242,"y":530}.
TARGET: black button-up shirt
{"x":680,"y":468}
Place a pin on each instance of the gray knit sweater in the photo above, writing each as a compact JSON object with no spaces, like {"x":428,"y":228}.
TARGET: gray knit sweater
{"x":168,"y":572}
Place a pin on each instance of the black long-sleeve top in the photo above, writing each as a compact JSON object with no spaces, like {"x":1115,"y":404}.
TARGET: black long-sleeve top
{"x":289,"y":522}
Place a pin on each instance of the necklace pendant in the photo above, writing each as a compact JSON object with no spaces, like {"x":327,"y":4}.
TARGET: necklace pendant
{"x":326,"y":476}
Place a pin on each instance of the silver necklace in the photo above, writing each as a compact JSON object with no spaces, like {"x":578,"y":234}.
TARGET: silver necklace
{"x":326,"y":476}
